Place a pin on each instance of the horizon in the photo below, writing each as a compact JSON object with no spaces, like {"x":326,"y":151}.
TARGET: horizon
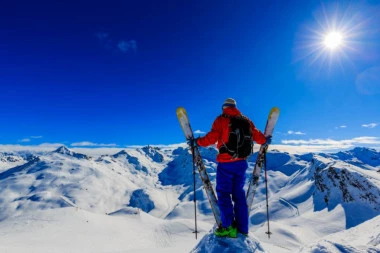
{"x":91,"y":75}
{"x":98,"y":151}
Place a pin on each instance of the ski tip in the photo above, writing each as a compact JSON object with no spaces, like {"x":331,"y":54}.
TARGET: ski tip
{"x":181,"y":110}
{"x":275,"y":109}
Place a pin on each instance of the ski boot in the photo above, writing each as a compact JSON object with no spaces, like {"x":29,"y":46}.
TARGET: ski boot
{"x":222,"y":232}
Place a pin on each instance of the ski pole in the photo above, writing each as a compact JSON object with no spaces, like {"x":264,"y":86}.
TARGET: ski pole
{"x":266,"y":186}
{"x":195,"y":193}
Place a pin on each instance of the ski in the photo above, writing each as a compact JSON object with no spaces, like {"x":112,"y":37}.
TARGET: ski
{"x":254,"y":180}
{"x":197,"y":159}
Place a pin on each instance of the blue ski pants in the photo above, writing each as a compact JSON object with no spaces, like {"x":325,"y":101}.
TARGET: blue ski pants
{"x":230,"y":180}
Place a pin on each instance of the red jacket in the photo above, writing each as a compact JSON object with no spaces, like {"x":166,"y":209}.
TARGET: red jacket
{"x":220,"y":131}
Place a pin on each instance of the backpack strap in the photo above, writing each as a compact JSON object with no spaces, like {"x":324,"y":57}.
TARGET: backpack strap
{"x":224,"y":148}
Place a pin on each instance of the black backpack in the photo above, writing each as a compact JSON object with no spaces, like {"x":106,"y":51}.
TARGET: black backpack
{"x":240,"y":142}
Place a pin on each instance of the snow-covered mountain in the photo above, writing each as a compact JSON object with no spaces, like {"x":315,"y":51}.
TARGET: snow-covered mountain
{"x":315,"y":201}
{"x":10,"y":160}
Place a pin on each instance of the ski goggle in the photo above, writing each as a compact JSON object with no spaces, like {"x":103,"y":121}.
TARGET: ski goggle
{"x":227,"y":105}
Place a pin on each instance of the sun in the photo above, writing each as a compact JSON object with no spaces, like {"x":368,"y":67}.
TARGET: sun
{"x":333,"y":40}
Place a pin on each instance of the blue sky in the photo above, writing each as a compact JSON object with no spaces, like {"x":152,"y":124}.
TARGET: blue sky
{"x":112,"y":73}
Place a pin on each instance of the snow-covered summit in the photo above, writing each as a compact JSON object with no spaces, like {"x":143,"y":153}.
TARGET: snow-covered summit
{"x":121,"y":153}
{"x":360,"y":156}
{"x":65,"y":151}
{"x":154,"y":153}
{"x":213,"y":244}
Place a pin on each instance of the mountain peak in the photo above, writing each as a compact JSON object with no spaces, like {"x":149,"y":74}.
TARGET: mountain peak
{"x":154,"y":153}
{"x":213,"y":244}
{"x":360,"y":155}
{"x":123,"y":152}
{"x":65,"y":151}
{"x":363,"y":149}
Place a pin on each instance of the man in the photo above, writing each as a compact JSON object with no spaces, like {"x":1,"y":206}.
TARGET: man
{"x":230,"y":177}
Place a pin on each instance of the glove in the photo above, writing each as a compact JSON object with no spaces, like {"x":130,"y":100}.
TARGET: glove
{"x":268,"y":141}
{"x":192,"y":142}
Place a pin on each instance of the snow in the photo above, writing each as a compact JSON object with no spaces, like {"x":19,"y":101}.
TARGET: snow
{"x":362,"y":238}
{"x":76,"y":230}
{"x":9,"y":160}
{"x":140,"y":199}
{"x":213,"y":244}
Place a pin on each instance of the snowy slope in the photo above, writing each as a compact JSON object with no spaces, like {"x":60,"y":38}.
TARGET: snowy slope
{"x":72,"y":230}
{"x":141,"y":200}
{"x":363,"y":238}
{"x":325,"y":197}
{"x":64,"y":178}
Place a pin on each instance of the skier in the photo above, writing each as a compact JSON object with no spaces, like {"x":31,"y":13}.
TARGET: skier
{"x":230,"y":177}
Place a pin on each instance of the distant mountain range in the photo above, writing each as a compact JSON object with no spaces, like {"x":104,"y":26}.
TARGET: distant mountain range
{"x":326,"y":193}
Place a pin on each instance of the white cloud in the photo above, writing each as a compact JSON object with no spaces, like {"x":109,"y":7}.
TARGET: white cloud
{"x":29,"y":139}
{"x":91,"y":144}
{"x":125,"y":46}
{"x":36,"y":137}
{"x":199,"y":132}
{"x":44,"y":147}
{"x":296,"y":133}
{"x":301,"y":149}
{"x":370,"y":125}
{"x":367,"y":140}
{"x":335,"y":143}
{"x":326,"y":145}
{"x":310,"y":142}
{"x":51,"y":145}
{"x":109,"y":43}
{"x":101,"y":36}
